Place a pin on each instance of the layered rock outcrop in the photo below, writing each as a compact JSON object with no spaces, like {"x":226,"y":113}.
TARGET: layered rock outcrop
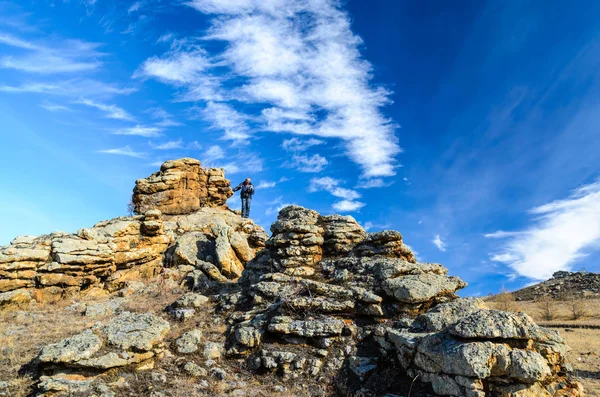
{"x":128,"y":340}
{"x":320,"y":299}
{"x":205,"y":241}
{"x":327,"y":298}
{"x":106,"y":255}
{"x":180,"y":187}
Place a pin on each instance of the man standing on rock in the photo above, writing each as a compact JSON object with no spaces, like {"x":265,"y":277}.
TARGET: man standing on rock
{"x":246,"y":196}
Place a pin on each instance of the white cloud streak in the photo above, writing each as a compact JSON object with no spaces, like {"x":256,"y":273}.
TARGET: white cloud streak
{"x":266,"y":185}
{"x":111,"y":111}
{"x":123,"y":151}
{"x":140,"y":130}
{"x":178,"y":144}
{"x":213,"y":154}
{"x":311,"y":164}
{"x":70,"y":88}
{"x":331,"y":185}
{"x":439,"y":243}
{"x":54,"y":107}
{"x":300,"y":145}
{"x":297,"y":60}
{"x":347,"y":206}
{"x":562,"y":233}
{"x":66,"y":56}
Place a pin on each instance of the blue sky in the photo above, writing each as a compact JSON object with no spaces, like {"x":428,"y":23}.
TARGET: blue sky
{"x":471,"y":128}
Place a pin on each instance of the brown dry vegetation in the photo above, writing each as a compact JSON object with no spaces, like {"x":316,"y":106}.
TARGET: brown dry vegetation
{"x":584,"y":343}
{"x":24,"y":332}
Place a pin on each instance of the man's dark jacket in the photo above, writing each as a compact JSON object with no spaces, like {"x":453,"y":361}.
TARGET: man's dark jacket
{"x":247,"y":190}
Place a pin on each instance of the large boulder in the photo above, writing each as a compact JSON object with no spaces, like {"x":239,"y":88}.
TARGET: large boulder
{"x":181,"y":187}
{"x":127,"y":340}
{"x":462,"y":348}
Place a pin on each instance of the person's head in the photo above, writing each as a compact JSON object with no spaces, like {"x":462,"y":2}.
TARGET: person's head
{"x":247,"y":181}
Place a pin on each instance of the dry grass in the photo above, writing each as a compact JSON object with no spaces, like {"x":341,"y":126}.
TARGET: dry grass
{"x":24,"y":333}
{"x":581,"y":311}
{"x":585,"y":357}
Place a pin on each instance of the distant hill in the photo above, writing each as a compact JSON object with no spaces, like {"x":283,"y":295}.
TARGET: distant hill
{"x":563,"y":285}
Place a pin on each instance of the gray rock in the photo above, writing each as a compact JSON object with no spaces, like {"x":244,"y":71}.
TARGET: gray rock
{"x":104,"y":308}
{"x":445,"y":314}
{"x":496,"y":324}
{"x":306,"y":328}
{"x":420,"y":288}
{"x":195,"y":370}
{"x":212,"y":351}
{"x":528,"y":366}
{"x":135,"y":331}
{"x":218,"y":373}
{"x":158,"y":377}
{"x":189,"y":342}
{"x":71,"y":350}
{"x":362,"y":366}
{"x":191,"y":300}
{"x":181,"y":314}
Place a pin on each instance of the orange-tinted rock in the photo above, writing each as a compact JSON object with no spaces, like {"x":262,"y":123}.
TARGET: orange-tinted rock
{"x":181,"y":187}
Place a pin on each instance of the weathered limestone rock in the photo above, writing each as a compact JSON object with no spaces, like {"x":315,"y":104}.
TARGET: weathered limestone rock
{"x":109,"y":252}
{"x":181,"y":187}
{"x":209,"y":239}
{"x":135,"y":331}
{"x":460,"y":344}
{"x":215,"y":242}
{"x":321,"y":287}
{"x":126,"y":340}
{"x":73,"y":349}
{"x":189,"y":342}
{"x":420,"y":288}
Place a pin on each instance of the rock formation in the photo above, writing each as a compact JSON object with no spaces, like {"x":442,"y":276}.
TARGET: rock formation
{"x":180,"y":187}
{"x":321,"y":301}
{"x":128,"y":340}
{"x":325,"y":297}
{"x":201,"y":242}
{"x":46,"y":267}
{"x":563,"y":285}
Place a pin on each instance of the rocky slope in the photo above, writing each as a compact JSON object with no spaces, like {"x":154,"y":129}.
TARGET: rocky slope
{"x":321,"y":305}
{"x":563,"y":285}
{"x":104,"y":257}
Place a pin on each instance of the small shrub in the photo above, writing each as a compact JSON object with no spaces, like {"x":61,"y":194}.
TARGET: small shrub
{"x":578,"y":309}
{"x":546,"y":308}
{"x":506,"y":301}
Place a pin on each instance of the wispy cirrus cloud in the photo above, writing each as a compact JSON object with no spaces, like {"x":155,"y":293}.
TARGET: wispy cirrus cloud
{"x":163,"y":118}
{"x":66,"y":56}
{"x":347,"y":206}
{"x":226,"y":118}
{"x":300,"y":145}
{"x":140,"y":130}
{"x":311,"y":164}
{"x":136,"y":6}
{"x":562,"y":232}
{"x":75,"y":87}
{"x":298,"y":64}
{"x":123,"y":151}
{"x":54,"y":107}
{"x":111,"y":111}
{"x":170,"y":145}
